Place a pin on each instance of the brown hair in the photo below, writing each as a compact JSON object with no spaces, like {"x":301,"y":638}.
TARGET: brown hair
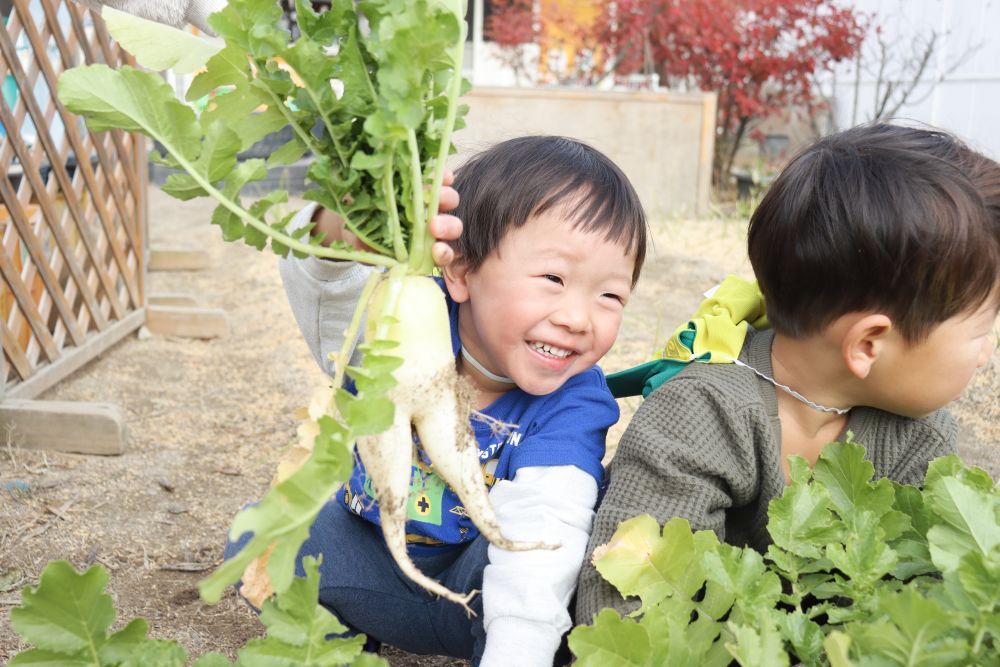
{"x":900,"y":220}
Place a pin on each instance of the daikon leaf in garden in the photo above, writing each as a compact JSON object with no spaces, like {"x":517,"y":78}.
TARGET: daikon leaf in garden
{"x":952,"y":466}
{"x":911,"y":546}
{"x":835,"y":589}
{"x":864,"y":556}
{"x":804,"y":635}
{"x":66,"y":619}
{"x":914,"y":632}
{"x":744,"y":575}
{"x":677,"y":640}
{"x":300,"y":630}
{"x":838,"y":646}
{"x":964,"y":524}
{"x":800,"y":521}
{"x":760,"y":646}
{"x":157,"y":46}
{"x":640,"y":561}
{"x":610,"y":642}
{"x":847,"y":478}
{"x":979,"y":576}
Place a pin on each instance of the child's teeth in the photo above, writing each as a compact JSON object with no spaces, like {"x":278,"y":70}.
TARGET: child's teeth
{"x":549,"y":349}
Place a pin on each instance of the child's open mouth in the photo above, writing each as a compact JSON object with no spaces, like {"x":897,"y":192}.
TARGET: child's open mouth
{"x":550,"y":351}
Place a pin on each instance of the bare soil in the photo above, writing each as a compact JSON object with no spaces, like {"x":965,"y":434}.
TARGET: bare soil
{"x":208,"y":421}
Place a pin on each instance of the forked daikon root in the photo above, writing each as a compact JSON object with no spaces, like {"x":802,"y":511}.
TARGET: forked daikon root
{"x":429,"y":398}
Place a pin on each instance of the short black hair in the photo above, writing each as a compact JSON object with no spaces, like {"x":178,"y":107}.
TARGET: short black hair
{"x":893,"y":219}
{"x":502,"y":187}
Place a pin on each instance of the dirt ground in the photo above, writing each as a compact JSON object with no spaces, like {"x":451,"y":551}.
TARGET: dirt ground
{"x":209,"y":419}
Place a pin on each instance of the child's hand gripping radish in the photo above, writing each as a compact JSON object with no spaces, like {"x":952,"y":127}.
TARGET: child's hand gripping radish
{"x":376,"y":105}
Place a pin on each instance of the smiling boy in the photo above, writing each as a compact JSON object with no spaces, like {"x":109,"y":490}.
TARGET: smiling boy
{"x":554,"y":239}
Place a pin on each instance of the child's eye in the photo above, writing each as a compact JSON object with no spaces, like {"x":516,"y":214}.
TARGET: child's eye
{"x":617,"y":297}
{"x":553,"y":278}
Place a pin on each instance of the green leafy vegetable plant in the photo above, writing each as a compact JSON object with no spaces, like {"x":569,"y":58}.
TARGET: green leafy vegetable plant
{"x":68,"y":616}
{"x":860,"y":573}
{"x":371,"y":89}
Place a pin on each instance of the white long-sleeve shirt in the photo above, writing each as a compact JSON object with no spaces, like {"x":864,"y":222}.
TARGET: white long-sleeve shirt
{"x":170,"y":12}
{"x":526,"y":594}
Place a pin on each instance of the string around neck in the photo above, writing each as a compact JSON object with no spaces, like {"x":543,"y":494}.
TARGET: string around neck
{"x":482,"y":369}
{"x":794,"y":394}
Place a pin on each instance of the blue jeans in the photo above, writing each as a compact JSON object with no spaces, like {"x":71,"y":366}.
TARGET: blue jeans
{"x":361,"y":584}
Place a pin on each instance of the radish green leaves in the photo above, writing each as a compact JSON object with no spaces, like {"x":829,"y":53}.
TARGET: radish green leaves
{"x":859,"y":573}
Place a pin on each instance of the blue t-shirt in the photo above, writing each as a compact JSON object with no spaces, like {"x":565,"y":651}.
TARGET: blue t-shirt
{"x":566,"y":427}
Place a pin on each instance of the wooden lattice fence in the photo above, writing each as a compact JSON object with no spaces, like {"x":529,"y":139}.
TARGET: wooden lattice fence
{"x":73,"y":219}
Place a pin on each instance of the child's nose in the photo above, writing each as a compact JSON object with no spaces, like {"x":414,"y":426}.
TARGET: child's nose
{"x":573,"y":315}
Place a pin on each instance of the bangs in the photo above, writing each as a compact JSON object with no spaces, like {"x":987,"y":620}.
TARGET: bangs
{"x":591,"y":210}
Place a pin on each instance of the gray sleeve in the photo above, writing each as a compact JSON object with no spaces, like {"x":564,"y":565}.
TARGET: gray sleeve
{"x":688,"y":452}
{"x":323,"y":295}
{"x":922,"y":441}
{"x":170,"y":12}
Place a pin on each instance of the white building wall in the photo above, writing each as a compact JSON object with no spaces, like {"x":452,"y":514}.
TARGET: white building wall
{"x":966,"y":100}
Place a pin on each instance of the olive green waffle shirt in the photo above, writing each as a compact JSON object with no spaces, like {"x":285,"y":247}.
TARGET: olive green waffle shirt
{"x":706,"y":447}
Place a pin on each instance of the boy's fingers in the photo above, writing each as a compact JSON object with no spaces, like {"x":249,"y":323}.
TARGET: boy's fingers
{"x":442,"y":253}
{"x":449,"y":196}
{"x":448,"y":200}
{"x":445,"y":227}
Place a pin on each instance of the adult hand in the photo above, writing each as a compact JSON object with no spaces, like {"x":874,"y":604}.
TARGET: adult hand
{"x":175,"y":13}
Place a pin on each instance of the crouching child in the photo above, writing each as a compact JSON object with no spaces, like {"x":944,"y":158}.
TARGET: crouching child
{"x":554,"y":238}
{"x":877,"y":251}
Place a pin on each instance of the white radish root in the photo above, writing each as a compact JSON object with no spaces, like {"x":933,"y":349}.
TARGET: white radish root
{"x":428,"y":397}
{"x":431,"y":398}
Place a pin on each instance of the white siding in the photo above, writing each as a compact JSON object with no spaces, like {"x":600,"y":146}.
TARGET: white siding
{"x":967,"y":100}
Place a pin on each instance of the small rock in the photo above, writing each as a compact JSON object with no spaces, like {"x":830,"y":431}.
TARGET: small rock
{"x":229,"y":470}
{"x":144,"y":333}
{"x":16,"y":486}
{"x":10,"y":580}
{"x":166,"y":484}
{"x":177,"y":508}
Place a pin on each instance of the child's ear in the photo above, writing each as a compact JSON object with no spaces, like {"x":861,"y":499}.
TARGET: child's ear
{"x":456,"y":275}
{"x":864,"y":341}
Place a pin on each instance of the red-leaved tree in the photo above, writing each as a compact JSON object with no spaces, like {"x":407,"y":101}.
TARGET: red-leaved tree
{"x":511,"y":25}
{"x":760,"y":56}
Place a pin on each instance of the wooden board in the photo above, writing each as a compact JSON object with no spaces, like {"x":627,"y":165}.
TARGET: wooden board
{"x":64,"y":426}
{"x":176,"y":259}
{"x":187,"y":322}
{"x":172,"y":299}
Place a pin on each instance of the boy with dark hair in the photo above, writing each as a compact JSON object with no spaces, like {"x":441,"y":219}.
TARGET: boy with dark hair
{"x":877,"y":251}
{"x":554,"y":238}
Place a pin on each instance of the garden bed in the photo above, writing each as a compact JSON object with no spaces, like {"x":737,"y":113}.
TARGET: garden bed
{"x":208,"y":421}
